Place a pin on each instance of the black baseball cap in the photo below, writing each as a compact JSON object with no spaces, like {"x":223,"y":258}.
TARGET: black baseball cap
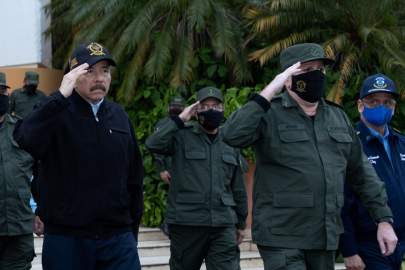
{"x":90,"y":53}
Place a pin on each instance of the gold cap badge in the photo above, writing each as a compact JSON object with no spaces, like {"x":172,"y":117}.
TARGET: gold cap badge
{"x":96,"y":49}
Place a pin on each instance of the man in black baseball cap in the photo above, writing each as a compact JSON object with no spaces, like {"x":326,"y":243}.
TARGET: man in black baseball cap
{"x":385,"y":149}
{"x":91,"y":169}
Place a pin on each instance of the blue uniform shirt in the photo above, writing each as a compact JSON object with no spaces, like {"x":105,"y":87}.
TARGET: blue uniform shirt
{"x":95,"y":107}
{"x":358,"y":224}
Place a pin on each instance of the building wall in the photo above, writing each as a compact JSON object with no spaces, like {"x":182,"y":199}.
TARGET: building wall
{"x":21,"y":35}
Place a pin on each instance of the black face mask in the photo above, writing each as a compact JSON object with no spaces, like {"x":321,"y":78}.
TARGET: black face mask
{"x":4,"y":104}
{"x":309,"y":86}
{"x":210,"y":119}
{"x":31,"y":89}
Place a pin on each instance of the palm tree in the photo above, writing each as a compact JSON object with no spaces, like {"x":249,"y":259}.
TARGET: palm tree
{"x":156,"y":39}
{"x":363,"y":36}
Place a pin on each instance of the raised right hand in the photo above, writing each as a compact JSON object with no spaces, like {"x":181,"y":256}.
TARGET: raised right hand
{"x":189,"y":112}
{"x":354,"y":263}
{"x":277,"y":84}
{"x":69,"y":80}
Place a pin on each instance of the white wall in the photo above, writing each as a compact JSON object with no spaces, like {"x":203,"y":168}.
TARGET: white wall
{"x":21,"y":33}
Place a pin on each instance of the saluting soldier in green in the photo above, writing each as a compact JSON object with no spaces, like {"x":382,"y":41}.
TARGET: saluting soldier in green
{"x":306,"y":148}
{"x":16,"y":217}
{"x":207,"y":204}
{"x":23,"y":100}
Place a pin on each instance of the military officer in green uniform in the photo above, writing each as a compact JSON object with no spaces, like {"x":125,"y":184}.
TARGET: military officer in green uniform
{"x":16,"y":217}
{"x":306,"y":149}
{"x":207,"y":204}
{"x":23,"y":100}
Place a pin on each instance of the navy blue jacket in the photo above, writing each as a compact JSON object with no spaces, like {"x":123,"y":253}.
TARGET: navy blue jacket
{"x":91,"y":172}
{"x":358,"y":224}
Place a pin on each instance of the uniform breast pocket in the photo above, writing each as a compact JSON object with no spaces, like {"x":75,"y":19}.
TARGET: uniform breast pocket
{"x":340,"y":141}
{"x":294,"y":143}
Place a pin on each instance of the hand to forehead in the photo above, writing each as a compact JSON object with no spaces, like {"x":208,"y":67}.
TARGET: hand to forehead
{"x":69,"y":80}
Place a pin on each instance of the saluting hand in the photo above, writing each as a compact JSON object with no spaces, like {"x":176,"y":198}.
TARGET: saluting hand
{"x":69,"y":80}
{"x":189,"y":112}
{"x":276,"y":85}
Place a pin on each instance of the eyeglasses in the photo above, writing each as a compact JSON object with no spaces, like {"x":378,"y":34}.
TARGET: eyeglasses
{"x":203,"y":107}
{"x":372,"y":103}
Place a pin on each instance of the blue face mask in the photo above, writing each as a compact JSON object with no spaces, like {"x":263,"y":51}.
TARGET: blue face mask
{"x":378,"y":116}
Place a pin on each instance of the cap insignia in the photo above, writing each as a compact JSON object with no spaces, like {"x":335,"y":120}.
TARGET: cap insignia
{"x":96,"y":49}
{"x":380,"y":83}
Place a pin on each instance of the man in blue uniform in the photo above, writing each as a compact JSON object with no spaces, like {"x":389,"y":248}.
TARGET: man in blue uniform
{"x":385,"y":149}
{"x":91,"y":169}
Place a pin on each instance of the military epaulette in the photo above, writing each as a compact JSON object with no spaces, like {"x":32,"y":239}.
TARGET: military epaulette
{"x":334,"y":104}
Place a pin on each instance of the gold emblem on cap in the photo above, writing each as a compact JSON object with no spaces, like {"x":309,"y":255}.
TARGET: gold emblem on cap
{"x":96,"y":49}
{"x":73,"y":62}
{"x":301,"y":86}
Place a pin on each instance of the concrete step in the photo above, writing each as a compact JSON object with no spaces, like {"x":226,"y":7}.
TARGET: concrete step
{"x":153,"y":247}
{"x":154,"y":252}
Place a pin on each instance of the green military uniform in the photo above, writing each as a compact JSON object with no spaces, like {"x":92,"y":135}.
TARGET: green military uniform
{"x":21,"y":101}
{"x":16,"y":217}
{"x":302,"y":165}
{"x":207,"y":197}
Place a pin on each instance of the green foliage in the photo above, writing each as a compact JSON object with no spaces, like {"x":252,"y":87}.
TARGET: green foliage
{"x":155,"y":41}
{"x":148,"y":106}
{"x":361,"y":40}
{"x":165,"y":48}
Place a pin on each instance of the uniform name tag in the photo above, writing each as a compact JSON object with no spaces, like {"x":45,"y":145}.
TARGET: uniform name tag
{"x":373,"y":159}
{"x":402,"y":156}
